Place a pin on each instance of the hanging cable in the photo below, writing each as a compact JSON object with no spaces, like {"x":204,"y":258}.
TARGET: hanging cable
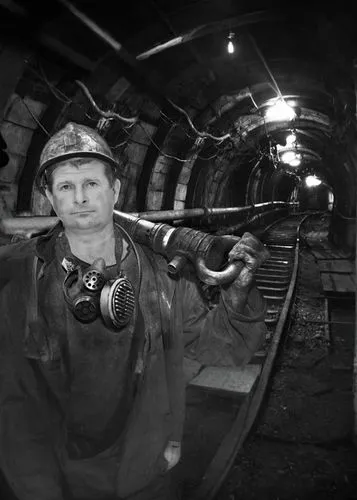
{"x":200,"y":134}
{"x":182,"y":160}
{"x":280,"y":95}
{"x":120,"y":144}
{"x":177,"y":124}
{"x":253,"y":101}
{"x":36,"y":120}
{"x":105,"y":114}
{"x":56,"y":92}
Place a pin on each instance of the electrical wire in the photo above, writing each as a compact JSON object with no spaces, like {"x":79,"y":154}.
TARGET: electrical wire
{"x":120,"y":144}
{"x":105,"y":114}
{"x":276,"y":87}
{"x":36,"y":120}
{"x":253,"y":101}
{"x":168,"y":119}
{"x":200,"y":134}
{"x":56,"y":92}
{"x":60,"y":96}
{"x":343,"y":216}
{"x":207,"y":157}
{"x":182,"y":160}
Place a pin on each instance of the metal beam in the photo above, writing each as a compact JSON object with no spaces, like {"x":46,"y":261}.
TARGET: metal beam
{"x":43,"y":38}
{"x":65,"y":51}
{"x":209,"y":29}
{"x":129,"y":65}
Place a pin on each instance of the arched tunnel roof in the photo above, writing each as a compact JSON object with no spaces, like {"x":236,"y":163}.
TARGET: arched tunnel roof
{"x":200,"y":110}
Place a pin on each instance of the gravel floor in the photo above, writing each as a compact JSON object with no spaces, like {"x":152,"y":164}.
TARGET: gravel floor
{"x":301,"y":447}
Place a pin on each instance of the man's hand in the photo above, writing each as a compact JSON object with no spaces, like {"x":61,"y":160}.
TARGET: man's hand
{"x":252,"y":252}
{"x":172,"y":453}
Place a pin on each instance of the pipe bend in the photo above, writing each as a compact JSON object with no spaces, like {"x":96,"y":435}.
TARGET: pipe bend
{"x":210,"y":277}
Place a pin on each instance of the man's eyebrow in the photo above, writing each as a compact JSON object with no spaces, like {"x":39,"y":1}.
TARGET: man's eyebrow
{"x":87,"y":179}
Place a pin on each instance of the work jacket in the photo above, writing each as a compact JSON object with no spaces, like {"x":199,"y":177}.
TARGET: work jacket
{"x":40,"y":379}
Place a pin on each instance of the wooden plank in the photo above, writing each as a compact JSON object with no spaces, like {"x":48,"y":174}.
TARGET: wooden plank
{"x":191,"y":367}
{"x":229,"y":380}
{"x":336,"y":266}
{"x":338,"y":283}
{"x":321,"y":254}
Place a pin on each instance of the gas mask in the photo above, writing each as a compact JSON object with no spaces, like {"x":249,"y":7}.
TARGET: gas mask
{"x":89,"y":295}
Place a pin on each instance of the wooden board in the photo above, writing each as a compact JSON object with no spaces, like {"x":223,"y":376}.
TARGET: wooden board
{"x":338,"y":283}
{"x":328,"y":254}
{"x":337,"y":266}
{"x":233,"y":381}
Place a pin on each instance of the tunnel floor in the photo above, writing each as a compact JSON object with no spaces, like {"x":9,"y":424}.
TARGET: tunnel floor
{"x":302,"y":445}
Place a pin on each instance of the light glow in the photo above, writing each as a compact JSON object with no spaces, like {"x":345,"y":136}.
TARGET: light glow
{"x":230,"y":47}
{"x":290,"y":139}
{"x":280,"y":111}
{"x":291,"y":158}
{"x":295,"y":162}
{"x":312,"y":180}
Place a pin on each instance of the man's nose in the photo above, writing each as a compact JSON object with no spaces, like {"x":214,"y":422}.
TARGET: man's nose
{"x":80,"y":196}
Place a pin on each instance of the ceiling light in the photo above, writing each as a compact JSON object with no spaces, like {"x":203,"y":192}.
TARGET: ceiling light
{"x":290,"y":139}
{"x":295,"y":162}
{"x":312,"y":180}
{"x":291,"y":158}
{"x":288,"y":156}
{"x":230,"y":44}
{"x":280,"y":111}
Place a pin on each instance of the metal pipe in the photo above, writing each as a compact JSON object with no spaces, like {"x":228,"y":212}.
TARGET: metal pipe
{"x":36,"y":224}
{"x":188,"y":213}
{"x":241,"y":225}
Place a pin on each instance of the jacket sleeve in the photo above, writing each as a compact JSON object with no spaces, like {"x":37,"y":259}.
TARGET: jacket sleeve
{"x":222,"y":336}
{"x":28,"y":438}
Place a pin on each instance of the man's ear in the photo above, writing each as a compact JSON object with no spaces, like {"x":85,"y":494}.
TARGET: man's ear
{"x":49,"y":196}
{"x":116,"y":189}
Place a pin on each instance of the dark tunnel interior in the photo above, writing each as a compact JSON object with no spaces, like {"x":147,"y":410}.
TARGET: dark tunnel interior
{"x":205,"y":133}
{"x":224,"y":116}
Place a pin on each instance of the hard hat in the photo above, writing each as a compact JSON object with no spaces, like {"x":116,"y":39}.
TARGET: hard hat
{"x":73,"y":141}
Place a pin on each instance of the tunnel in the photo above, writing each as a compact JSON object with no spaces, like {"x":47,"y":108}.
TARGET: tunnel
{"x":224,"y":117}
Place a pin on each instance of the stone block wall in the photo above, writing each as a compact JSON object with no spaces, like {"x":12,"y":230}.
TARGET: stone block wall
{"x":17,"y":128}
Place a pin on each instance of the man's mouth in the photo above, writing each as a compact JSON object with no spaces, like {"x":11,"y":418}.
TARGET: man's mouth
{"x":84,"y":212}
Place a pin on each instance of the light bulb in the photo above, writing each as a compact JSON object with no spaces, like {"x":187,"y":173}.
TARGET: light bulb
{"x":295,"y":162}
{"x":230,"y":47}
{"x":288,"y":157}
{"x":280,"y":111}
{"x":311,"y":180}
{"x":290,"y":139}
{"x":291,"y":158}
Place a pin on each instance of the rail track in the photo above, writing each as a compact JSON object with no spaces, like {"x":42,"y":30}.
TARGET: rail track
{"x":215,"y":390}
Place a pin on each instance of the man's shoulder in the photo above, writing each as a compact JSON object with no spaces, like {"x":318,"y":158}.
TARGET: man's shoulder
{"x":19,"y":250}
{"x":156,"y":259}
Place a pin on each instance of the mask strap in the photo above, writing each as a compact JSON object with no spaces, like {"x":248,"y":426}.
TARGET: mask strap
{"x":118,"y":250}
{"x":137,"y":257}
{"x":31,"y":345}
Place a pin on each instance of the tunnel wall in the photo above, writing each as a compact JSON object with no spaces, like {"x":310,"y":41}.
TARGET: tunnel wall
{"x":314,"y":198}
{"x":343,"y":233}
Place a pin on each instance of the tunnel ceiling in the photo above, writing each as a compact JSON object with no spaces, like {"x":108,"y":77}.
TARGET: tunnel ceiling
{"x":156,"y":56}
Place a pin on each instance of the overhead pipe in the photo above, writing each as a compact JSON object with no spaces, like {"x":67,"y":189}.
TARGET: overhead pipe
{"x":207,"y":253}
{"x":39,"y":223}
{"x":252,"y":220}
{"x":188,"y":213}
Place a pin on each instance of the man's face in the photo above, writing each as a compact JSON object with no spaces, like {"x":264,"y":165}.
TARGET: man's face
{"x":82,"y":196}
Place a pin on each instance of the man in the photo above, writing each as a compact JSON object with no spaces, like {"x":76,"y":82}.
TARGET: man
{"x":93,"y":335}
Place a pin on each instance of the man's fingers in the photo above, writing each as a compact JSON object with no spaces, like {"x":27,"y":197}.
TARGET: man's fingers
{"x":250,"y":250}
